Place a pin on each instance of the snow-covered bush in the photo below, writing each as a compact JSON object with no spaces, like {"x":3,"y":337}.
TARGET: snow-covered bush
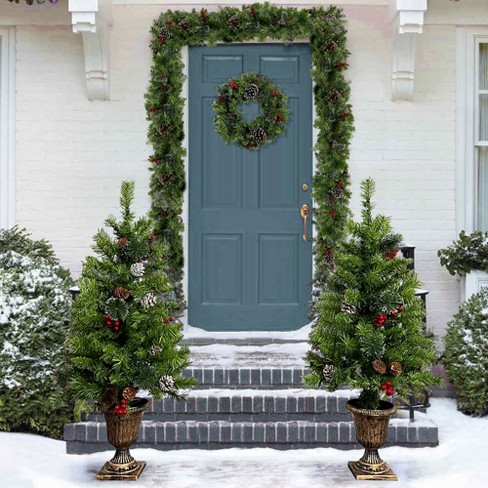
{"x":34,"y":312}
{"x":466,"y":354}
{"x":468,"y":253}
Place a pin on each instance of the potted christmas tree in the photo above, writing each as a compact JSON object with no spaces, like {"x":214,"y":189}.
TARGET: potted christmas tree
{"x":368,"y":333}
{"x":123,"y":335}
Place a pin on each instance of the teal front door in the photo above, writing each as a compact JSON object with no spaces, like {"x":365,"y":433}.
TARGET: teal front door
{"x":249,"y":265}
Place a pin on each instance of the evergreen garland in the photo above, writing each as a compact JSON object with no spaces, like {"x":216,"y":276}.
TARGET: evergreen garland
{"x":229,"y":119}
{"x":325,"y":27}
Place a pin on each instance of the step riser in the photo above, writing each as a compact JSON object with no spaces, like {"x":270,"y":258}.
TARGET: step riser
{"x":237,"y":417}
{"x":83,"y":438}
{"x":248,"y":377}
{"x":326,"y":408}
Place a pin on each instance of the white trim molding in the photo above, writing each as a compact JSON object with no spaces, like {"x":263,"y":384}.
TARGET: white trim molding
{"x":475,"y":281}
{"x":7,"y":128}
{"x":408,"y":23}
{"x":467,"y":42}
{"x":92,"y":19}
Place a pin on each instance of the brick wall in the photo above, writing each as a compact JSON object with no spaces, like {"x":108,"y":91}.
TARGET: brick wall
{"x":72,"y":153}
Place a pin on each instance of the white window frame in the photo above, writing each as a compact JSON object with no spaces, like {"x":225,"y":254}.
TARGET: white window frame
{"x":467,"y":125}
{"x":7,"y":128}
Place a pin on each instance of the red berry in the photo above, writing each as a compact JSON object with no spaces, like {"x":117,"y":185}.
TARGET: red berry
{"x":383,"y":387}
{"x":117,"y":322}
{"x":116,"y":328}
{"x":390,"y":392}
{"x":106,"y":317}
{"x":170,"y":319}
{"x":388,"y":383}
{"x":400,"y":308}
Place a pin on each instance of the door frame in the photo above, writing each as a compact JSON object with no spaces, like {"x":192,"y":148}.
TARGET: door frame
{"x":185,"y":54}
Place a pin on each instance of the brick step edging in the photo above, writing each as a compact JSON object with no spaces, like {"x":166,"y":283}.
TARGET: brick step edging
{"x":258,"y":434}
{"x":247,"y":376}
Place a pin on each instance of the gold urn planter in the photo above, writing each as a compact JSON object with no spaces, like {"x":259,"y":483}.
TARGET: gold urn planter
{"x":122,"y":432}
{"x":371,"y":432}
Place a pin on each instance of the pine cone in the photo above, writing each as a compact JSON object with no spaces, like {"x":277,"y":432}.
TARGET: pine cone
{"x":258,"y":135}
{"x":122,"y":293}
{"x":123,"y":242}
{"x":379,"y":366}
{"x":330,"y":46}
{"x":137,"y":269}
{"x":337,"y":192}
{"x":129,"y":392}
{"x":166,"y":383}
{"x":149,"y":300}
{"x":346,"y":308}
{"x":396,"y":368}
{"x":251,"y":91}
{"x":184,"y":26}
{"x":234,"y":22}
{"x":109,"y":397}
{"x":163,"y":34}
{"x":155,"y":350}
{"x":328,"y":372}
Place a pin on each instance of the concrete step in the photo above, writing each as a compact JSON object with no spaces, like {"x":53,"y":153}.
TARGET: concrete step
{"x":88,"y":437}
{"x":248,"y":377}
{"x":251,"y":406}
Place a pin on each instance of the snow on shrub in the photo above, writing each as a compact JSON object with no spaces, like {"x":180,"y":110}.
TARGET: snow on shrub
{"x":466,"y":354}
{"x":34,"y":312}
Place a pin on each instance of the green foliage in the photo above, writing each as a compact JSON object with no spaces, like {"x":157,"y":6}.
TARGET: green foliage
{"x":126,"y":288}
{"x":325,"y":28}
{"x":349,"y":335}
{"x":468,"y":253}
{"x":229,"y":118}
{"x":466,"y":354}
{"x":34,"y":311}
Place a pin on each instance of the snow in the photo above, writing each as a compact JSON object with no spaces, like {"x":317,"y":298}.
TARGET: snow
{"x":28,"y":461}
{"x":191,"y":332}
{"x":289,"y":355}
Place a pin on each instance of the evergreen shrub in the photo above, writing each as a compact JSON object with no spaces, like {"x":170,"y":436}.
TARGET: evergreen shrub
{"x":466,"y":354}
{"x":368,"y":333}
{"x":124,"y":336}
{"x":34,"y":311}
{"x":468,"y":253}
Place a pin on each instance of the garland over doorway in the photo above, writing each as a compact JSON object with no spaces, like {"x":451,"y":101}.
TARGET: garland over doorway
{"x":325,"y":29}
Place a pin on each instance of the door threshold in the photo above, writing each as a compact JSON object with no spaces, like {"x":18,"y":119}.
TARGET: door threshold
{"x":195,"y":336}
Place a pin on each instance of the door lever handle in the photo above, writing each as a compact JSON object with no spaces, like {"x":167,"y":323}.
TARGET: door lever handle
{"x":305,"y":212}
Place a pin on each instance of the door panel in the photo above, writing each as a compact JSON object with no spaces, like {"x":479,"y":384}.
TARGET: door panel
{"x":249,"y":268}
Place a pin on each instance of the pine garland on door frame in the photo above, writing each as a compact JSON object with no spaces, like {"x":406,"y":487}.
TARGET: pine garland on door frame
{"x":326,"y":31}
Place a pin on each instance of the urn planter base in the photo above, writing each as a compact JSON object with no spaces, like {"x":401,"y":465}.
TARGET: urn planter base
{"x":360,"y":474}
{"x":371,"y":430}
{"x":108,"y":472}
{"x":122,"y":432}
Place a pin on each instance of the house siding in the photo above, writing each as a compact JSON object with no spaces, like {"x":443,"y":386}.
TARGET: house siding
{"x":72,"y":153}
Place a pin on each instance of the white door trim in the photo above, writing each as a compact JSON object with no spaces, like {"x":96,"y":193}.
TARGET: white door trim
{"x":7,"y":128}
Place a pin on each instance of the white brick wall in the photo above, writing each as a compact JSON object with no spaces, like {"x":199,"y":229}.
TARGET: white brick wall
{"x":72,"y":153}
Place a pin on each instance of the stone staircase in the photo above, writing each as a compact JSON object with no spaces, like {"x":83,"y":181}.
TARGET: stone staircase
{"x":255,"y":397}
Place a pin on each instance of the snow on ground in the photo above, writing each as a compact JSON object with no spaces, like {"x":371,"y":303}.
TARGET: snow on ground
{"x":28,"y":461}
{"x":287,"y":355}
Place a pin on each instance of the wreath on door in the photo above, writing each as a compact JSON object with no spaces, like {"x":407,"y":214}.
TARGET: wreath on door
{"x":229,"y":119}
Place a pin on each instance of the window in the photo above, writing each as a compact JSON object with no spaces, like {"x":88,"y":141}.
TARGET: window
{"x":7,"y":134}
{"x":481,"y":137}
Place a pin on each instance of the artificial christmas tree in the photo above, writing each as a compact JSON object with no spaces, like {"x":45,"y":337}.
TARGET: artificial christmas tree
{"x":368,"y":333}
{"x":123,"y":336}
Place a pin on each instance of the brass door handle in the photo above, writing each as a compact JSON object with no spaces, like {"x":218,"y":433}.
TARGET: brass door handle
{"x":305,"y":212}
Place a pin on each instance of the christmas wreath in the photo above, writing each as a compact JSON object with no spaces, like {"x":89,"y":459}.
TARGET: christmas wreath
{"x":266,"y":127}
